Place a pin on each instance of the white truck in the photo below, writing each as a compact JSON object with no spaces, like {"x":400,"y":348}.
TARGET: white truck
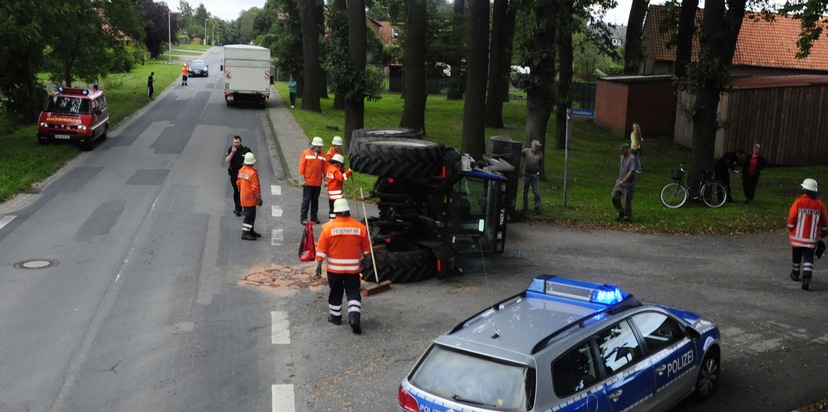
{"x":246,"y":73}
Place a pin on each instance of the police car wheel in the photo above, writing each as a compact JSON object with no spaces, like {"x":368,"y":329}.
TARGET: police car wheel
{"x":708,"y":377}
{"x":392,"y":157}
{"x":398,"y":132}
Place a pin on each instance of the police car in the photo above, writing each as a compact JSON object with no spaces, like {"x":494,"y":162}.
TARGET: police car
{"x":74,"y":115}
{"x":567,"y":345}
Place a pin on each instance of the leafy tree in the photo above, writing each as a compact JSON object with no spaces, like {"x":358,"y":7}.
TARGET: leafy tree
{"x":457,"y":83}
{"x":474,"y":130}
{"x":245,"y":25}
{"x":414,"y":65}
{"x":314,"y":78}
{"x":20,"y":23}
{"x":76,"y":53}
{"x":632,"y":45}
{"x":500,"y":63}
{"x":153,"y":19}
{"x":336,"y":51}
{"x":565,"y":27}
{"x":287,"y":48}
{"x":357,"y":53}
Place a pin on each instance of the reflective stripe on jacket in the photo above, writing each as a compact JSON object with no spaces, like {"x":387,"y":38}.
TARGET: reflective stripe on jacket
{"x":248,"y":184}
{"x":312,"y":166}
{"x":807,"y":222}
{"x":342,"y":243}
{"x":336,"y":180}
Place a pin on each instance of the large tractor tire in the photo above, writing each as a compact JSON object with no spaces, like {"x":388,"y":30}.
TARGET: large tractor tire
{"x":398,"y":132}
{"x":392,"y":157}
{"x":405,"y":266}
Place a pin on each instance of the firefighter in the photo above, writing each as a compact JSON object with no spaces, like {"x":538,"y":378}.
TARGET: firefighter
{"x":251,"y":196}
{"x":336,"y":148}
{"x":807,"y":223}
{"x":185,"y":71}
{"x":311,"y":173}
{"x":343,"y":243}
{"x":336,"y":180}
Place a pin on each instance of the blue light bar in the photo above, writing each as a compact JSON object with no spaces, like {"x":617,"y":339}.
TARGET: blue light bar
{"x":549,"y":285}
{"x":60,"y":89}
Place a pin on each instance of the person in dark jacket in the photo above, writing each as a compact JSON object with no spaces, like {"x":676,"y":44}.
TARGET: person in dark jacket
{"x":751,"y":171}
{"x":723,"y":166}
{"x":235,"y":157}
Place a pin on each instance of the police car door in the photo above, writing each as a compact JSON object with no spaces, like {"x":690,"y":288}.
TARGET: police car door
{"x":673,"y":356}
{"x":575,"y":381}
{"x":630,"y":380}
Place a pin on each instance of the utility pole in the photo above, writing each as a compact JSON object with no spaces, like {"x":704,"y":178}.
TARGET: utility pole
{"x":169,"y":35}
{"x":205,"y":32}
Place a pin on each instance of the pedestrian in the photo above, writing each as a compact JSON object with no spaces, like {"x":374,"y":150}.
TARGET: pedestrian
{"x":336,"y":148}
{"x":807,"y":222}
{"x":532,"y":168}
{"x":336,"y":181}
{"x":751,"y":170}
{"x":625,"y":184}
{"x":292,"y":91}
{"x":185,"y":71}
{"x":251,"y":196}
{"x":311,"y":173}
{"x":636,"y":138}
{"x":723,"y":166}
{"x":342,"y":244}
{"x":235,"y":156}
{"x":150,"y":89}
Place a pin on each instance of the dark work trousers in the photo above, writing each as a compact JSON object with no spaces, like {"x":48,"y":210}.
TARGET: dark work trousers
{"x":330,"y":210}
{"x":637,"y":154}
{"x":628,"y":192}
{"x":234,"y":175}
{"x":749,"y":183}
{"x":349,"y":283}
{"x":723,"y":177}
{"x":803,"y":259}
{"x":531,"y":180}
{"x":292,"y":99}
{"x":310,"y":199}
{"x":249,"y":219}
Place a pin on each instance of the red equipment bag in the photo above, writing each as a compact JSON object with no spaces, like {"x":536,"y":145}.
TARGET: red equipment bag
{"x":307,"y":249}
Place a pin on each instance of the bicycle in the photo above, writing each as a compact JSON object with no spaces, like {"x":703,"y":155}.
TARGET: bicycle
{"x":675,"y":194}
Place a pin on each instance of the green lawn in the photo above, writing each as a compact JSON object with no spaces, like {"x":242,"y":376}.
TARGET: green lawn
{"x":593,"y":168}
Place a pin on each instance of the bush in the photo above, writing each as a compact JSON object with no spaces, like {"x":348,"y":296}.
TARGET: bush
{"x":183,"y":39}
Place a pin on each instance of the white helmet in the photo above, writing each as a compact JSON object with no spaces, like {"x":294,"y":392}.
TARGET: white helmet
{"x":249,"y":159}
{"x":809,"y":184}
{"x":341,"y":205}
{"x":338,"y":158}
{"x":317,"y":141}
{"x":337,"y":141}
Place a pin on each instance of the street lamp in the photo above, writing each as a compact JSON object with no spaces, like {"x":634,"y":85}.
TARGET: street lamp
{"x":205,"y":32}
{"x":169,"y":35}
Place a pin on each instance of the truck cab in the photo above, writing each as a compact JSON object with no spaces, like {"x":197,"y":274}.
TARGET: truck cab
{"x":74,"y":115}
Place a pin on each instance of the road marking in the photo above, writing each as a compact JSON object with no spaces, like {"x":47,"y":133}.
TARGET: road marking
{"x":275,"y":190}
{"x":5,"y":220}
{"x":276,"y":210}
{"x":277,"y":237}
{"x":279,"y":328}
{"x":283,"y":400}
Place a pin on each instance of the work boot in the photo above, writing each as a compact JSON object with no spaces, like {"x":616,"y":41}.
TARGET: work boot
{"x":303,"y":222}
{"x":795,"y":276}
{"x":336,"y":320}
{"x":353,"y":319}
{"x":237,"y":212}
{"x":806,"y":283}
{"x":254,"y":233}
{"x":247,"y":236}
{"x":316,"y":220}
{"x":620,"y":217}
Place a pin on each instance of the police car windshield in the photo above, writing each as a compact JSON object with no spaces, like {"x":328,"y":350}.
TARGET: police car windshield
{"x":471,"y":379}
{"x":67,"y":105}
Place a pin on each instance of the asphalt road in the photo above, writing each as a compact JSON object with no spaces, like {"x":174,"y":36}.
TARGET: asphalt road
{"x":147,"y":306}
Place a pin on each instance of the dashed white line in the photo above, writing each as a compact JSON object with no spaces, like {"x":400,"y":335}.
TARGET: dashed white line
{"x":283,"y":399}
{"x":276,"y":210}
{"x":5,"y":220}
{"x":279,"y":328}
{"x":275,"y":190}
{"x":277,"y":237}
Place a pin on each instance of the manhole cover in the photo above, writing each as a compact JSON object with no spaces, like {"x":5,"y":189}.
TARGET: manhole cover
{"x":36,"y":264}
{"x":294,"y":277}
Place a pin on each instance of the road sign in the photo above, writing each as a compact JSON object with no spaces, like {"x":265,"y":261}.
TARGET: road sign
{"x":582,"y":112}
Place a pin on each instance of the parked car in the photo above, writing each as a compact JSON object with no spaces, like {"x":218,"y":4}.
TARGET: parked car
{"x":199,"y":68}
{"x":567,"y":345}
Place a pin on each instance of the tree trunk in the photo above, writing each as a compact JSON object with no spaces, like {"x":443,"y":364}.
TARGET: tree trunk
{"x":357,"y":44}
{"x":509,"y":33}
{"x":684,"y":38}
{"x":497,"y":53}
{"x":320,"y":31}
{"x":632,"y":47}
{"x":340,"y":7}
{"x":312,"y":73}
{"x":720,"y":29}
{"x":474,"y":129}
{"x":565,"y":54}
{"x":542,"y":68}
{"x":414,"y":76}
{"x":457,"y":83}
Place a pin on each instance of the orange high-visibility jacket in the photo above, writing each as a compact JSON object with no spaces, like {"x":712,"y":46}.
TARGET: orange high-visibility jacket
{"x":343,"y":242}
{"x":248,"y":184}
{"x":807,"y":221}
{"x":312,"y":166}
{"x":184,"y":70}
{"x":332,"y":151}
{"x":336,"y":180}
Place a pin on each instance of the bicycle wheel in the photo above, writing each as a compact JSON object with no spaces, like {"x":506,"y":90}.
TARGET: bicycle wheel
{"x":714,"y":194}
{"x":674,"y":195}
